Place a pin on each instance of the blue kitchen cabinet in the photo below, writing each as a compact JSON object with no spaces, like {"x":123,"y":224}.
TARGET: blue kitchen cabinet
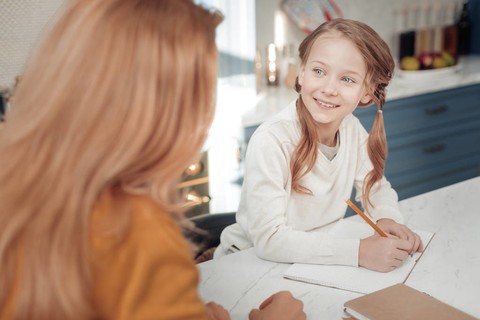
{"x":433,"y":139}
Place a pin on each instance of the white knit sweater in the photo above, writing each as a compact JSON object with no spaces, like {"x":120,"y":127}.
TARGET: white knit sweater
{"x":282,"y":224}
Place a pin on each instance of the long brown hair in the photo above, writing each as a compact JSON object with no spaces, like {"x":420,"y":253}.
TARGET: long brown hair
{"x":380,"y":66}
{"x":120,"y":95}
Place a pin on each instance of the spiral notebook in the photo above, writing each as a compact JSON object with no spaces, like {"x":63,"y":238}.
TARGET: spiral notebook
{"x":356,"y":279}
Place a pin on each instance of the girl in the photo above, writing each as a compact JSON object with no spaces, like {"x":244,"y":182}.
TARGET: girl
{"x":112,"y":108}
{"x":303,"y":163}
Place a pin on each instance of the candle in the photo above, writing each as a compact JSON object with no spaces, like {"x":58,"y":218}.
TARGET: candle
{"x":272,"y":65}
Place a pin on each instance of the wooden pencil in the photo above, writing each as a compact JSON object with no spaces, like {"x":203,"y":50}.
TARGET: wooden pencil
{"x":367,"y":219}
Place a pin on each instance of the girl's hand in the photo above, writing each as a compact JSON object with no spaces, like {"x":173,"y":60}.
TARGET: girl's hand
{"x":402,"y":232}
{"x":216,"y":312}
{"x":382,"y":254}
{"x":282,"y":306}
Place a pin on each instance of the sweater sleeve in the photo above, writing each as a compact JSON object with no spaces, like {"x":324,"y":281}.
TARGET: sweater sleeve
{"x":148,"y":274}
{"x":265,"y":198}
{"x":383,"y":197}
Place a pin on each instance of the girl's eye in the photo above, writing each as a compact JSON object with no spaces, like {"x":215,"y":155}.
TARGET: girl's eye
{"x":319,"y":72}
{"x":348,"y":80}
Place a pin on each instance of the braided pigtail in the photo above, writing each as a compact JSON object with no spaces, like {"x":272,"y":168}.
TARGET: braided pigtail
{"x":376,"y":147}
{"x":305,"y":154}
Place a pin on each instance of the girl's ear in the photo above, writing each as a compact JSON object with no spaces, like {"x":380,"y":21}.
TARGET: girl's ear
{"x":301,"y":74}
{"x":366,"y":99}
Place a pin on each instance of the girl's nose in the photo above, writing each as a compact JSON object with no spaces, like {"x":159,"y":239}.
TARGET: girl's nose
{"x":329,"y":87}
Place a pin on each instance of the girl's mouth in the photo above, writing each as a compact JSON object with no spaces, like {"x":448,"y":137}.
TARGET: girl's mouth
{"x":326,"y":104}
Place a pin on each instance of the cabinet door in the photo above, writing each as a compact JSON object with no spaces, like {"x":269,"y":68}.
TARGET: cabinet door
{"x":435,"y":159}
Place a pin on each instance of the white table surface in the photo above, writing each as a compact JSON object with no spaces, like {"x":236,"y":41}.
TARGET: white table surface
{"x":449,"y":269}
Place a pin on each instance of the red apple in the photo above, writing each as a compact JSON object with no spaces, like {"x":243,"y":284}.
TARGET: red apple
{"x":426,"y":60}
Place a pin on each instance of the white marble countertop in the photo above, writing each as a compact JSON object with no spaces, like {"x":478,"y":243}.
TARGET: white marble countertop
{"x":449,"y":270}
{"x":273,"y":99}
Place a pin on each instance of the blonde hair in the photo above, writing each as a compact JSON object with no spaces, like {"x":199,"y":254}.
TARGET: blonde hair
{"x":380,"y":66}
{"x":119,"y":96}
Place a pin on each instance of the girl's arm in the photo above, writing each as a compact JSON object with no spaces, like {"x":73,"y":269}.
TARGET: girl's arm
{"x":265,"y":201}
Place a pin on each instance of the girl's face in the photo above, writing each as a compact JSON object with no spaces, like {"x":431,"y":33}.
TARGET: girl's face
{"x":333,"y":79}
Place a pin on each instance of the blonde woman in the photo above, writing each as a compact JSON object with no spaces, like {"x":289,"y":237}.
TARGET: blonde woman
{"x":113,"y":106}
{"x":302,"y":164}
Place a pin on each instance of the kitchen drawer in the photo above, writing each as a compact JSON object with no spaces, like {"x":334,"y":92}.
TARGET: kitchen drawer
{"x":425,"y":161}
{"x":408,"y":138}
{"x":419,"y":186}
{"x":436,"y":146}
{"x":415,"y":114}
{"x":431,"y":170}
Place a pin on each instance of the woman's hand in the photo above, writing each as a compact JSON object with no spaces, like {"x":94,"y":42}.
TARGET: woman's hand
{"x":216,"y":312}
{"x":402,"y":232}
{"x":280,"y":306}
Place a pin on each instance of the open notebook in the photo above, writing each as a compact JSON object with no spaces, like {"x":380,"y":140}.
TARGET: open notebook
{"x":350,"y":278}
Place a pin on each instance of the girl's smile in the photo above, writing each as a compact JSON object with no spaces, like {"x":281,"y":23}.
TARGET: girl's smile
{"x":326,"y":104}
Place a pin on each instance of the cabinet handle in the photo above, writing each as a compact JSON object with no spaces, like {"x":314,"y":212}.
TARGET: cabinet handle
{"x":194,"y":199}
{"x":436,"y":110}
{"x":435,"y":148}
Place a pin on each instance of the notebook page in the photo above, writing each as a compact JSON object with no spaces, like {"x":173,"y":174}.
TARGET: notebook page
{"x":357,"y":279}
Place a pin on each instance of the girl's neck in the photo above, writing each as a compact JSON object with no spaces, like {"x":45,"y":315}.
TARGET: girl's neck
{"x":327,"y":135}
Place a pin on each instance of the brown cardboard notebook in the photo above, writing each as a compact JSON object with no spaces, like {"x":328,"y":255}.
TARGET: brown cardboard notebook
{"x":402,"y":302}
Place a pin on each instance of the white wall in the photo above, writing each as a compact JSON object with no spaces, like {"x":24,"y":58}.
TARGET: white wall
{"x":22,"y":23}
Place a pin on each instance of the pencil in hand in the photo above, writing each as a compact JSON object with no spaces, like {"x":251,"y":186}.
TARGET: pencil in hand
{"x":367,"y":219}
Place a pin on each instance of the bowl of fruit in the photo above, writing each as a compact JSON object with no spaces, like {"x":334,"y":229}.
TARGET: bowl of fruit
{"x":427,"y":65}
